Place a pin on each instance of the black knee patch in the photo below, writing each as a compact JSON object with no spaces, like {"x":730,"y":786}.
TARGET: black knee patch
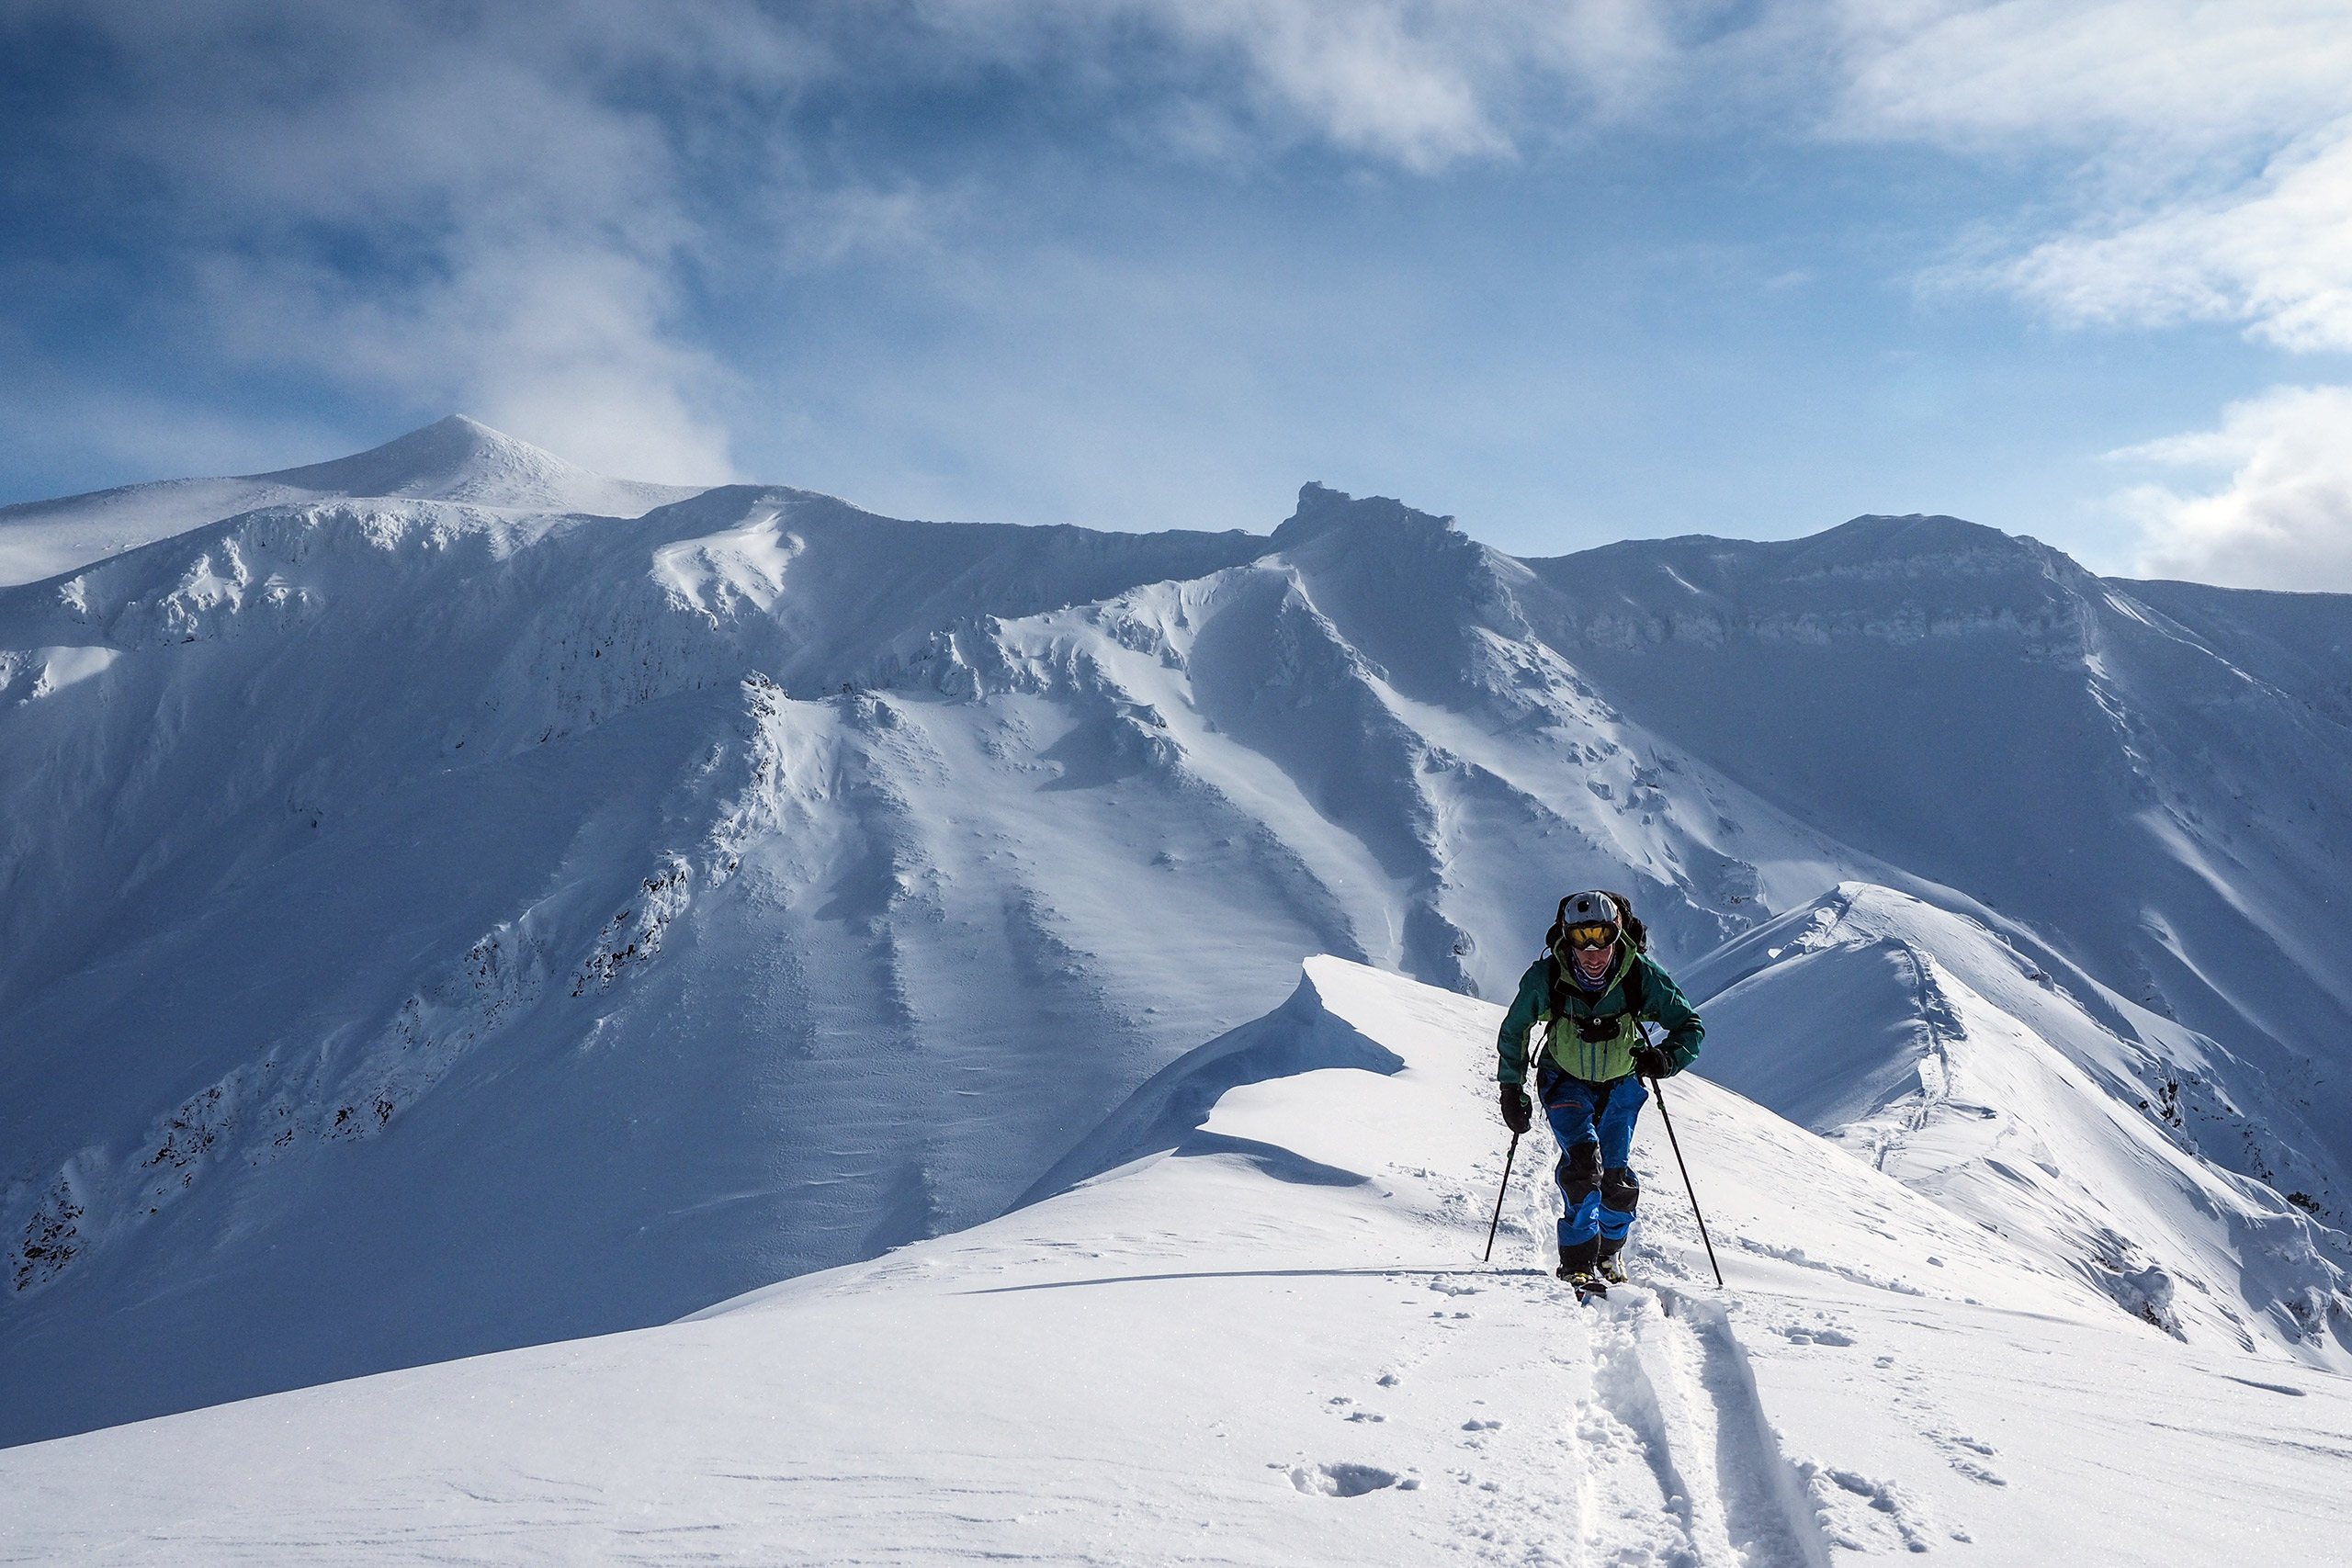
{"x":1580,"y":1172}
{"x":1620,"y":1187}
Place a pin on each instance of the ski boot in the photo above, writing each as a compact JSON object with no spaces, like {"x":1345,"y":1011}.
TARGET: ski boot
{"x":1577,"y":1266}
{"x":1611,"y":1266}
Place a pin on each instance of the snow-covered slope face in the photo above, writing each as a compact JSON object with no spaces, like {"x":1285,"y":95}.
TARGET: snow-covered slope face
{"x":455,"y":459}
{"x":2157,"y":778}
{"x":1263,"y":1336}
{"x":2040,"y":1105}
{"x":433,"y":926}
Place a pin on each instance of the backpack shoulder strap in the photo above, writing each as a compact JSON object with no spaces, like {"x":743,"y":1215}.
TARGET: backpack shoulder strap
{"x":1632,"y":988}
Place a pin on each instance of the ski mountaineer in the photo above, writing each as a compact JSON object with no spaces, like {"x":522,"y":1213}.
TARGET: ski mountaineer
{"x":1591,"y":989}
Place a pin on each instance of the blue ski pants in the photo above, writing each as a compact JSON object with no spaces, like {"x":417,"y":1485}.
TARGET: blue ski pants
{"x":1594,"y":1123}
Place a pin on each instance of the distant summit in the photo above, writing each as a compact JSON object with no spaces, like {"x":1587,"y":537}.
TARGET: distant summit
{"x":462,"y":459}
{"x":455,"y":459}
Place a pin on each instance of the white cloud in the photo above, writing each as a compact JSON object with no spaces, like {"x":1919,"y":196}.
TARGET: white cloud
{"x":450,"y":210}
{"x":506,"y":209}
{"x":1420,"y":83}
{"x":516,"y":210}
{"x":2129,"y":81}
{"x":561,"y":347}
{"x":2211,"y":146}
{"x":499,"y":209}
{"x":2205,"y":173}
{"x":2284,"y":518}
{"x":2276,"y":254}
{"x":1377,"y":78}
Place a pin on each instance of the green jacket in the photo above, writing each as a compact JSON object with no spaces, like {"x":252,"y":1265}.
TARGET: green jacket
{"x":1601,"y":1061}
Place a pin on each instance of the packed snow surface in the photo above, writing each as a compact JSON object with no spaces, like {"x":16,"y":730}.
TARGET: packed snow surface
{"x":1264,"y":1335}
{"x":449,"y":902}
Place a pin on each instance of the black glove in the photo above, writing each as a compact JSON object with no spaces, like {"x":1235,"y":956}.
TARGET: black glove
{"x":1518,"y":1114}
{"x":1652,"y":1062}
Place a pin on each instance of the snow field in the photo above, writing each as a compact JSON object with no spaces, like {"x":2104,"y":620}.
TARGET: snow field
{"x":1268,"y":1340}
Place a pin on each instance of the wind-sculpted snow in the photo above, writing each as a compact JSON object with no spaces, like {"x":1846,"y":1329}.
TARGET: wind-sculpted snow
{"x":430,"y":924}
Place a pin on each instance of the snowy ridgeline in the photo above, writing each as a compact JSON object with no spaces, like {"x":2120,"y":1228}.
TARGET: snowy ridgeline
{"x":1263,"y":1336}
{"x":441,"y":917}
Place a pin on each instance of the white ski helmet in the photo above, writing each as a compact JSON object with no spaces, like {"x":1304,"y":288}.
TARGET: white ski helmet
{"x":1591,"y":908}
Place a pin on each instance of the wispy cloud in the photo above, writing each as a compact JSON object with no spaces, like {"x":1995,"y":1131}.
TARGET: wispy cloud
{"x":509,"y":208}
{"x":2203,"y":159}
{"x":2139,"y":86}
{"x":480,"y":210}
{"x":1421,"y":84}
{"x":2284,"y":517}
{"x":2274,"y":253}
{"x":644,"y":232}
{"x":1425,"y":84}
{"x":2205,"y":151}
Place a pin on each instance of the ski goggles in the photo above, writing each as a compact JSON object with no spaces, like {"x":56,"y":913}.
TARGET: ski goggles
{"x":1598,"y":933}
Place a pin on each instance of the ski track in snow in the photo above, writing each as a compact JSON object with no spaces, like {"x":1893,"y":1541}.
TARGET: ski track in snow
{"x":1667,"y":1458}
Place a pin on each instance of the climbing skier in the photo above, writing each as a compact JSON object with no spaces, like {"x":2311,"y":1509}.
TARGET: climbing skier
{"x":1592,"y":990}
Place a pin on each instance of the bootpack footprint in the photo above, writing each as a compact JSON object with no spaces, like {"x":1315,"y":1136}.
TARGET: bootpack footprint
{"x":1862,"y":1515}
{"x":1348,"y":1479}
{"x":1948,"y":1442}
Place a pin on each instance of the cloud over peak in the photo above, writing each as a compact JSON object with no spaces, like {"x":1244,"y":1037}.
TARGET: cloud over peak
{"x":2284,"y":518}
{"x":940,"y":241}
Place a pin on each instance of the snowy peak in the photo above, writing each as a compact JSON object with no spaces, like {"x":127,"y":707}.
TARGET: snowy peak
{"x":1322,"y":510}
{"x":462,"y":459}
{"x":1876,"y":545}
{"x":454,"y":459}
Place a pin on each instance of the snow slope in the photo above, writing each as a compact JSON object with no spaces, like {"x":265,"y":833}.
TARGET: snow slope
{"x":430,"y":926}
{"x":2155,"y":778}
{"x":1957,"y":1063}
{"x":455,"y":459}
{"x":1264,"y":1338}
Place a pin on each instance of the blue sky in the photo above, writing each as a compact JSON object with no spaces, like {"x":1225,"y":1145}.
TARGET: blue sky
{"x":1573,"y":272}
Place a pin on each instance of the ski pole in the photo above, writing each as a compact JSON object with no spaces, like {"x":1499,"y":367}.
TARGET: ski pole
{"x":1659,"y":1088}
{"x":1508,"y":1155}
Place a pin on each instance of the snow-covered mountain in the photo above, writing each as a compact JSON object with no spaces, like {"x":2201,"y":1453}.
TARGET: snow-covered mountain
{"x":455,"y":459}
{"x":442,"y":921}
